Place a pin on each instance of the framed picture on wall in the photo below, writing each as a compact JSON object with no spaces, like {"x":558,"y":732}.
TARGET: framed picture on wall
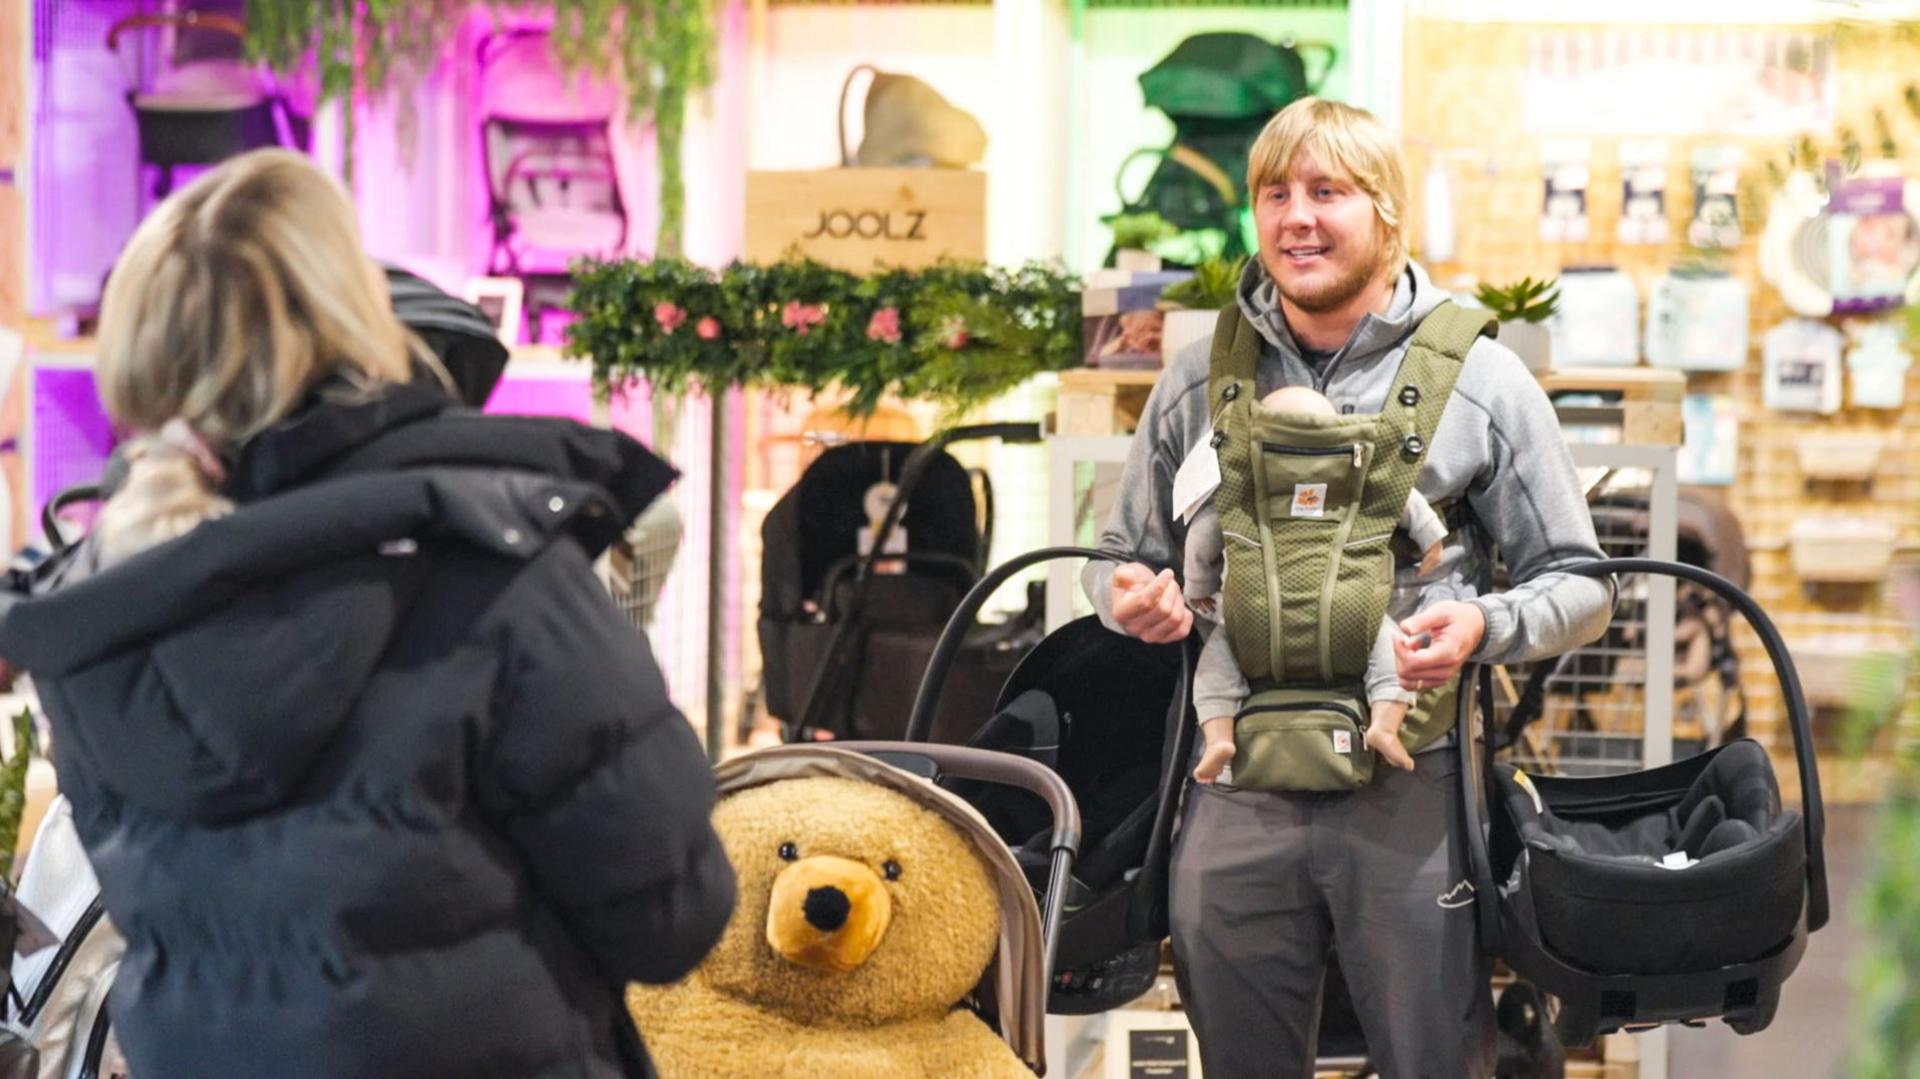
{"x":500,"y":298}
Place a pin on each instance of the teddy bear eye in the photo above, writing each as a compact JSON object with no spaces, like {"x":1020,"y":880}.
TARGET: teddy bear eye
{"x":789,"y":852}
{"x":890,"y":869}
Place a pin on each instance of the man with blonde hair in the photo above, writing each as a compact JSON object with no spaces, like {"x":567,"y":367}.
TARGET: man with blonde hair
{"x":1266,"y":883}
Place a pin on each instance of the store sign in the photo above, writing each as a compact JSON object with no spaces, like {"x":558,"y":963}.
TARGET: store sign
{"x":860,"y":219}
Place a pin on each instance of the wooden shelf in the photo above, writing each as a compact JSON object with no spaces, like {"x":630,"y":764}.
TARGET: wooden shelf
{"x":1644,"y":401}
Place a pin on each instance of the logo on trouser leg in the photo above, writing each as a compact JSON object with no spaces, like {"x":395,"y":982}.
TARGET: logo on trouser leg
{"x":1460,"y":895}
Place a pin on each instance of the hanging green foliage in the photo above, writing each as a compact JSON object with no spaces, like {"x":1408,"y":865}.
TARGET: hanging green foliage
{"x":662,"y":49}
{"x":956,"y":333}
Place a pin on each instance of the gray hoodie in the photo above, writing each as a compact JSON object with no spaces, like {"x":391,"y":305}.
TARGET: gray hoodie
{"x":1498,"y":444}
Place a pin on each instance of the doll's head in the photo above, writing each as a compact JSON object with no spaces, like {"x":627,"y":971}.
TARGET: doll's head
{"x":1297,"y":399}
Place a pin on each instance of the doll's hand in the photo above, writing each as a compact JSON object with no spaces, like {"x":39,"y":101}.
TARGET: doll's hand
{"x":1213,"y":760}
{"x":1383,"y":734}
{"x":1387,"y":745}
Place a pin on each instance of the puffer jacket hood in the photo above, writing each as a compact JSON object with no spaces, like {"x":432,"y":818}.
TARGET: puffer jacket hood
{"x":397,"y":475}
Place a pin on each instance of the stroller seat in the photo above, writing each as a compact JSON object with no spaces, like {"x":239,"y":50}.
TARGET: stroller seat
{"x":843,"y":652}
{"x":553,"y":175}
{"x":554,"y":188}
{"x":1707,"y":837}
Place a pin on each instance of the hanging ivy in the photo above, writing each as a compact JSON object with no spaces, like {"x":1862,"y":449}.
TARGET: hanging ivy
{"x":364,"y":49}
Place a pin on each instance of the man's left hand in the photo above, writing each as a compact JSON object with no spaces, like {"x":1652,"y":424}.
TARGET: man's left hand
{"x":1454,"y":630}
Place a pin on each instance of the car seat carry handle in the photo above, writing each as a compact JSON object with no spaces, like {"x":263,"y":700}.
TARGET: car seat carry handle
{"x":1474,"y":821}
{"x":1149,"y":921}
{"x":837,"y":669}
{"x":1812,"y":814}
{"x":927,"y":700}
{"x":50,"y":513}
{"x":1007,"y":769}
{"x":1145,"y":921}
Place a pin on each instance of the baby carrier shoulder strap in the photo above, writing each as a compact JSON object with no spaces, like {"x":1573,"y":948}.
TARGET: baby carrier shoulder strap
{"x":1419,"y":394}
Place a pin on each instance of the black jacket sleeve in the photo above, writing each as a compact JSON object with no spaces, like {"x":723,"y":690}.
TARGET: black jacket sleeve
{"x":598,"y":780}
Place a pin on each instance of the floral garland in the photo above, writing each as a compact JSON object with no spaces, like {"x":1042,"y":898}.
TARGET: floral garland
{"x":955,"y":333}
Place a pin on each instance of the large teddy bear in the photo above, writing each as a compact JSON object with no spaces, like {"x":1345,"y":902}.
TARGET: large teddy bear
{"x":864,"y":921}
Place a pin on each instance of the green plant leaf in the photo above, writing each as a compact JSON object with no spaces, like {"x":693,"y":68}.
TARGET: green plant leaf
{"x":954,"y":333}
{"x":1526,"y":300}
{"x":663,"y":51}
{"x":1213,"y":285}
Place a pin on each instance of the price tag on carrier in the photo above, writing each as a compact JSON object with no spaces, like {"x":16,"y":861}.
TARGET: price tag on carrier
{"x":1198,"y":477}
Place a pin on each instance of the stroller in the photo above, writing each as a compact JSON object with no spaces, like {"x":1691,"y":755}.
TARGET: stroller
{"x":1677,"y":894}
{"x":1219,"y":89}
{"x":553,"y":184}
{"x":196,"y":100}
{"x":865,"y":559}
{"x":1011,"y":996}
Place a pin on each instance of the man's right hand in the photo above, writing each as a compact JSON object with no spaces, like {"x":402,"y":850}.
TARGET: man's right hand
{"x":1149,"y":606}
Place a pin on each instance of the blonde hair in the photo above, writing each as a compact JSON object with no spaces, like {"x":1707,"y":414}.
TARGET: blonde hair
{"x":1344,"y":140}
{"x":231,"y":303}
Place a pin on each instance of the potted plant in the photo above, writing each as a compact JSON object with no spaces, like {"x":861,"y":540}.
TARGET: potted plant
{"x":1523,"y":309}
{"x":1134,"y":235}
{"x":1193,"y":305}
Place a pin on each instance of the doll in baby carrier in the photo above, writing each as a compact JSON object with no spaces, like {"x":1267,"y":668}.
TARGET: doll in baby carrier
{"x":1218,"y":674}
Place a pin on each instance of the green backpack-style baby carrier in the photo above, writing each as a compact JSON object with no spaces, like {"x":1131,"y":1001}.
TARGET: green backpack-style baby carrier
{"x":1308,"y":508}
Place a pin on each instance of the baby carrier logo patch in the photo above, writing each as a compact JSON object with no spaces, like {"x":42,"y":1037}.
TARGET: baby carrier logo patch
{"x":1309,"y":500}
{"x":1343,"y":741}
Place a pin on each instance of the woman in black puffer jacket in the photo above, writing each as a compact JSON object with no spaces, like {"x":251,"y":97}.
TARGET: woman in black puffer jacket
{"x":377,"y":780}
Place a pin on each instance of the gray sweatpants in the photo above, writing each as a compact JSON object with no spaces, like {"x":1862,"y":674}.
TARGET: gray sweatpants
{"x":1264,"y":884}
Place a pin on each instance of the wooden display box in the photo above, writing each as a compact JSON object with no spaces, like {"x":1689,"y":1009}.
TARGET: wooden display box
{"x":1094,"y":404}
{"x":863,"y":219}
{"x":1843,"y":550}
{"x":1649,"y":399}
{"x":1840,"y":457}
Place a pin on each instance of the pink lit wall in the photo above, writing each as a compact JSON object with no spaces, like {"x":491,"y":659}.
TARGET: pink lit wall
{"x":420,"y":188}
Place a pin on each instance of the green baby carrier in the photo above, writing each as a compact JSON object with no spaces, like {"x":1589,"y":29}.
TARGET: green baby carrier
{"x":1308,"y":508}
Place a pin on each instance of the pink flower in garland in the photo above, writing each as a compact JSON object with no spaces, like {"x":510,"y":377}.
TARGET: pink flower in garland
{"x":707,"y":329}
{"x":884,"y":326}
{"x":801,"y":317}
{"x":669,"y":315}
{"x":953,"y":333}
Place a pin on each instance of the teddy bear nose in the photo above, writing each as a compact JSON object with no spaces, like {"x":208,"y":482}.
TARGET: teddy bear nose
{"x":826,"y":908}
{"x":827,"y":912}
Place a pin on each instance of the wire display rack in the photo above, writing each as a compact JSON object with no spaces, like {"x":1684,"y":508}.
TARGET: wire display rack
{"x":638,"y":564}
